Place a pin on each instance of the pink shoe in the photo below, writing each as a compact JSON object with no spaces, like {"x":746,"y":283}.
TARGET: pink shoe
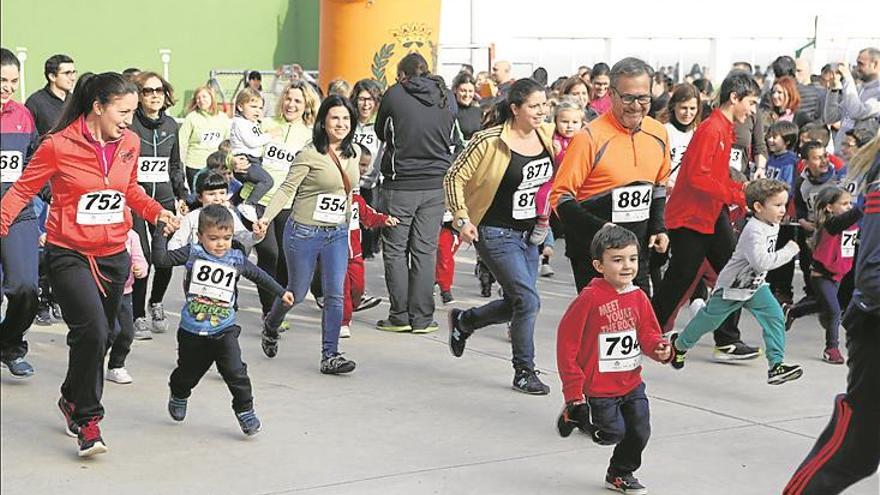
{"x":832,"y":355}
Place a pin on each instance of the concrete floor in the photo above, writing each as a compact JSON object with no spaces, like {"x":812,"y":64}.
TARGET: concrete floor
{"x":412,"y":419}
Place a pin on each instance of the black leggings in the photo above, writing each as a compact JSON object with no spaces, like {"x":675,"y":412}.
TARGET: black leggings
{"x":270,"y":256}
{"x":90,"y":317}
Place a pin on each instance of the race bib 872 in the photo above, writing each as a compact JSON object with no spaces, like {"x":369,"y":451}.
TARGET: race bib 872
{"x":152,"y":169}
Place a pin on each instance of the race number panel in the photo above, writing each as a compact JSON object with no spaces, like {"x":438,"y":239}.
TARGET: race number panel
{"x":11,"y":165}
{"x":213,"y":280}
{"x":101,"y":208}
{"x":278,"y":156}
{"x":631,"y":204}
{"x":848,"y":243}
{"x":330,"y":208}
{"x":736,"y":155}
{"x":211,"y":137}
{"x":152,"y":169}
{"x":534,"y":174}
{"x":619,"y":351}
{"x":355,"y":222}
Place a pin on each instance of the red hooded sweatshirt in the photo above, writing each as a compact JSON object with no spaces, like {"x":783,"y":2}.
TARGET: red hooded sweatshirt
{"x":93,"y":187}
{"x":600,"y":340}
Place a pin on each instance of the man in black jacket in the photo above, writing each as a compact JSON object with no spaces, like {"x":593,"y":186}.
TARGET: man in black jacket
{"x":46,"y":104}
{"x":415,"y":122}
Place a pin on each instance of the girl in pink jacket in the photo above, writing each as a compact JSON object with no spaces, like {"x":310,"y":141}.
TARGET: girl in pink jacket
{"x":123,"y":332}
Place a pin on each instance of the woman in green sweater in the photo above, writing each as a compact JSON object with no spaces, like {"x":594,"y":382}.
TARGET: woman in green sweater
{"x":319,"y":182}
{"x":295,"y":116}
{"x":203,"y":129}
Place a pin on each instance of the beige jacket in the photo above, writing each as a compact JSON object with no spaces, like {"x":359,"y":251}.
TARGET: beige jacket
{"x":473,"y":179}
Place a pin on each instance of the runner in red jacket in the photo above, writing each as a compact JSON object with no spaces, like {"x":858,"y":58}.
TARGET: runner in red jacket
{"x":89,"y":160}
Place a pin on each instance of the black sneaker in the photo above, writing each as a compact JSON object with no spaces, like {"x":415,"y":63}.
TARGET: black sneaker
{"x":626,"y":483}
{"x":782,"y":373}
{"x":337,"y":364}
{"x":677,"y":361}
{"x":249,"y":422}
{"x":457,"y":336}
{"x":789,"y":318}
{"x":486,"y":290}
{"x":56,"y":313}
{"x":447,"y":297}
{"x":527,"y":382}
{"x":177,"y":408}
{"x":18,"y":367}
{"x":368,"y":302}
{"x":269,"y":342}
{"x":66,"y":407}
{"x":44,"y":316}
{"x":90,"y":440}
{"x":737,"y":351}
{"x":320,"y":302}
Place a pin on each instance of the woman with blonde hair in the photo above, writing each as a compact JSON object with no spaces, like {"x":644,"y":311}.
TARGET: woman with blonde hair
{"x":203,"y":129}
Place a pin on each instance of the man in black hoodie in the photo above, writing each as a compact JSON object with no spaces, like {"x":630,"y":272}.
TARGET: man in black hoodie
{"x":415,"y":122}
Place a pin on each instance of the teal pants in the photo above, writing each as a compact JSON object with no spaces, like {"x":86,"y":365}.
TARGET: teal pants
{"x":763,"y":307}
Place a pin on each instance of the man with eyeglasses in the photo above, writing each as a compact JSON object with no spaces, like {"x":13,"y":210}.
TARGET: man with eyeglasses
{"x":697,"y":214}
{"x":615,"y":171}
{"x":46,"y":104}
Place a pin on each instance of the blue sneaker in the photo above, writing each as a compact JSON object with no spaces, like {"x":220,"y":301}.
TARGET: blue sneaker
{"x":249,"y":422}
{"x":18,"y":367}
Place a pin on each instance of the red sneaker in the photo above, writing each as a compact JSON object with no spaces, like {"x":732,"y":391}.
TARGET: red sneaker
{"x":89,"y":439}
{"x":832,"y":355}
{"x":66,"y":407}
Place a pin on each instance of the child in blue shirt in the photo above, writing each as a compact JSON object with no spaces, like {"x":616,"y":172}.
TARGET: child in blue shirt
{"x":208,"y":333}
{"x":782,"y":137}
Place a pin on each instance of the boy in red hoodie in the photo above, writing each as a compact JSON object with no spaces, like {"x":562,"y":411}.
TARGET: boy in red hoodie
{"x":599,"y":353}
{"x":361,"y":213}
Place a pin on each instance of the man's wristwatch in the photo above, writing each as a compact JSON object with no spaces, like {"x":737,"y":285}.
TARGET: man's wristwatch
{"x":461,"y":222}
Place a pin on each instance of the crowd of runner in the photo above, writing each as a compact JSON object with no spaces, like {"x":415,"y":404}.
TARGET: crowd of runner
{"x":667,"y":196}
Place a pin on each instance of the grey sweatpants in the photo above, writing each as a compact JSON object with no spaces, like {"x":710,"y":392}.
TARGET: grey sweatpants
{"x":410,"y":251}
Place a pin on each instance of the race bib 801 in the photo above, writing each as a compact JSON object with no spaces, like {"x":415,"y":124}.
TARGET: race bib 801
{"x":214,"y":280}
{"x":619,"y":351}
{"x":11,"y":165}
{"x":101,"y":208}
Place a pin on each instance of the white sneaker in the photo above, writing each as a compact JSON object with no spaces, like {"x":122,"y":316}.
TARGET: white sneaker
{"x":344,"y":332}
{"x":143,"y":335}
{"x":546,"y":271}
{"x":695,"y":307}
{"x":118,"y":375}
{"x":248,"y":212}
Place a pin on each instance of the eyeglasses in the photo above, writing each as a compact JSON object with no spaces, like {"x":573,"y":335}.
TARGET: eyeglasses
{"x":152,"y":91}
{"x":365,"y":100}
{"x":68,"y":73}
{"x":629,"y":99}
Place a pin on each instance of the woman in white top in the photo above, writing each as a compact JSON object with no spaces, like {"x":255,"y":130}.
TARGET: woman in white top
{"x":684,"y":116}
{"x":366,"y":96}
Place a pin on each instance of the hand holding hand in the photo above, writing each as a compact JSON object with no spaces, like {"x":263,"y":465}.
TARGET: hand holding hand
{"x":663,"y":352}
{"x":392,"y":222}
{"x":172,"y":222}
{"x":469,"y":233}
{"x":287,"y":298}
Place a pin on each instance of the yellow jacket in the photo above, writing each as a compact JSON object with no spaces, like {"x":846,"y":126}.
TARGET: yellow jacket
{"x":473,"y":179}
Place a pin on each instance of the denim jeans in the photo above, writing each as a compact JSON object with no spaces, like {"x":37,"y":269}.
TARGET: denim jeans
{"x":304,"y":247}
{"x":624,"y":422}
{"x":514,"y":262}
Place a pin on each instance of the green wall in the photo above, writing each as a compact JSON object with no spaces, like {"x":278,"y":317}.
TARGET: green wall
{"x":103,"y":35}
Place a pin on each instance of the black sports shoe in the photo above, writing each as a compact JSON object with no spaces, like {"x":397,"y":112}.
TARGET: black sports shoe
{"x":56,"y":313}
{"x":789,"y":318}
{"x":44,"y":316}
{"x":90,"y":440}
{"x":457,"y":336}
{"x":447,"y":297}
{"x":337,"y":364}
{"x":486,"y":290}
{"x":177,"y":408}
{"x":527,"y":381}
{"x":249,"y":422}
{"x":782,"y":373}
{"x":269,"y":342}
{"x":626,"y":483}
{"x":574,"y":416}
{"x":368,"y":302}
{"x":677,"y":361}
{"x":18,"y":367}
{"x":71,"y":428}
{"x":737,"y":351}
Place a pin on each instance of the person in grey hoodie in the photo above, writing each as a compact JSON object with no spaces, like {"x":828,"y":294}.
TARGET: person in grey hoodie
{"x":415,"y":121}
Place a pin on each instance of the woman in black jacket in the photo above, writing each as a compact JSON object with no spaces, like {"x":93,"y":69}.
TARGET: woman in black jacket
{"x":161,"y":174}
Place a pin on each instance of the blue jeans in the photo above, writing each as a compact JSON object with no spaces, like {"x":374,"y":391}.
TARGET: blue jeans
{"x":825,"y":290}
{"x":514,"y":262}
{"x":304,"y":247}
{"x":624,"y":422}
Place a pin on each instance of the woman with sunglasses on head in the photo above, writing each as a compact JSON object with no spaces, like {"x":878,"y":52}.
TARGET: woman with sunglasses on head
{"x":160,"y":173}
{"x":89,"y":159}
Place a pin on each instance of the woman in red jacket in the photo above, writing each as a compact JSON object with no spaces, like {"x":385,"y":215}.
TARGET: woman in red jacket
{"x":89,"y":159}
